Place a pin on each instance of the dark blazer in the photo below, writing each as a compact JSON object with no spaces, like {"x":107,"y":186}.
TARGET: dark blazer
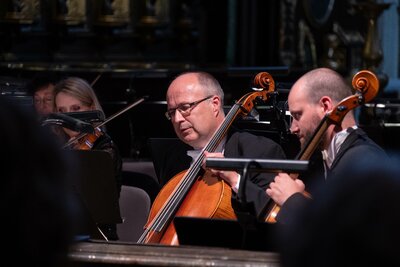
{"x":246,"y":145}
{"x":358,"y":148}
{"x":238,"y":145}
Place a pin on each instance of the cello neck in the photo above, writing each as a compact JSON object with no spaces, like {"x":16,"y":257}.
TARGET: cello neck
{"x":312,"y":144}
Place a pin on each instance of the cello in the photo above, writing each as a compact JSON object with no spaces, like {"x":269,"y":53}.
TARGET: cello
{"x":366,"y":86}
{"x":190,"y":193}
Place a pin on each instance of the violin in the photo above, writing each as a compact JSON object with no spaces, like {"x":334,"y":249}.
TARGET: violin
{"x":86,"y":142}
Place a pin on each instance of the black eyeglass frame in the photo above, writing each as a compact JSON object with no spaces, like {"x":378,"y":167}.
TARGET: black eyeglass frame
{"x":185,"y":107}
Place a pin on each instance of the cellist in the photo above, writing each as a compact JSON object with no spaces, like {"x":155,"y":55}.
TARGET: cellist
{"x":74,"y":94}
{"x":314,"y":95}
{"x":195,"y":109}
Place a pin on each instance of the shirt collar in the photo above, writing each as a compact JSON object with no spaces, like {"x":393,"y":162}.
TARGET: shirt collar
{"x":194,"y":153}
{"x":334,"y":147}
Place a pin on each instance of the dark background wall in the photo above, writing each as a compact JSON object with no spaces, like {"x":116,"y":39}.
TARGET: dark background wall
{"x":133,"y":48}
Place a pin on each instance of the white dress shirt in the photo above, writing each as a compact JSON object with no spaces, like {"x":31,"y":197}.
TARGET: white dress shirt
{"x":334,"y":147}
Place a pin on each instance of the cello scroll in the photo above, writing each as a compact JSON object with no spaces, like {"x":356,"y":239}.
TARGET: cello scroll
{"x":367,"y":83}
{"x":265,"y":85}
{"x":264,"y":80}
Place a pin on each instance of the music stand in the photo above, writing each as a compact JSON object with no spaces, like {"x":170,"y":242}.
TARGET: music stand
{"x":247,"y":165}
{"x":258,"y":165}
{"x":92,"y":116}
{"x":94,"y":187}
{"x":246,"y":215}
{"x":226,"y":233}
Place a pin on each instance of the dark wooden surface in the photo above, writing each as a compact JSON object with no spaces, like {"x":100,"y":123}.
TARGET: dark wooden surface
{"x":113,"y":254}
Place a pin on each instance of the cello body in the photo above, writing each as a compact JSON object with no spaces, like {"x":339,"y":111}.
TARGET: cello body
{"x":207,"y":191}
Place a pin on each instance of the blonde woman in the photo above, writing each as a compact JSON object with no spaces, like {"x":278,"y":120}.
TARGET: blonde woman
{"x":74,"y":94}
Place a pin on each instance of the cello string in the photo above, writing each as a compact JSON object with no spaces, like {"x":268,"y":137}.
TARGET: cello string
{"x":183,"y":187}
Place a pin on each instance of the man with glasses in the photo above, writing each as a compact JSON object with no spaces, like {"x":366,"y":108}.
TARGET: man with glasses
{"x":195,"y":109}
{"x":42,"y":90}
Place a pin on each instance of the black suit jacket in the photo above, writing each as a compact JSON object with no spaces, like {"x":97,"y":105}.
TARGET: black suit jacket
{"x":246,"y":145}
{"x":358,"y":149}
{"x":238,"y":145}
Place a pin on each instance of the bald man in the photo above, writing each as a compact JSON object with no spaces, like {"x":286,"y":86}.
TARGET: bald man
{"x":314,"y":95}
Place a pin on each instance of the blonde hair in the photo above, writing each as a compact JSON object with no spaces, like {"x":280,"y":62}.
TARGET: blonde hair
{"x":79,"y":89}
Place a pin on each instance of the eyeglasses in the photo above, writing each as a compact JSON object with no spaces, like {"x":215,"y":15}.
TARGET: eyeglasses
{"x":47,"y":101}
{"x":185,"y":109}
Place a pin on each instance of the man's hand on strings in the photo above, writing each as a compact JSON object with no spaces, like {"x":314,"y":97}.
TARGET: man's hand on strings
{"x":283,"y":187}
{"x":231,"y":177}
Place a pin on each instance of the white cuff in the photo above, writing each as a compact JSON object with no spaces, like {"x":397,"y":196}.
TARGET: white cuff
{"x":236,"y":187}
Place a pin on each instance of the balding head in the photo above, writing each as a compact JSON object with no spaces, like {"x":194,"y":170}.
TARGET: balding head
{"x":323,"y":82}
{"x":314,"y":96}
{"x":197,"y":81}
